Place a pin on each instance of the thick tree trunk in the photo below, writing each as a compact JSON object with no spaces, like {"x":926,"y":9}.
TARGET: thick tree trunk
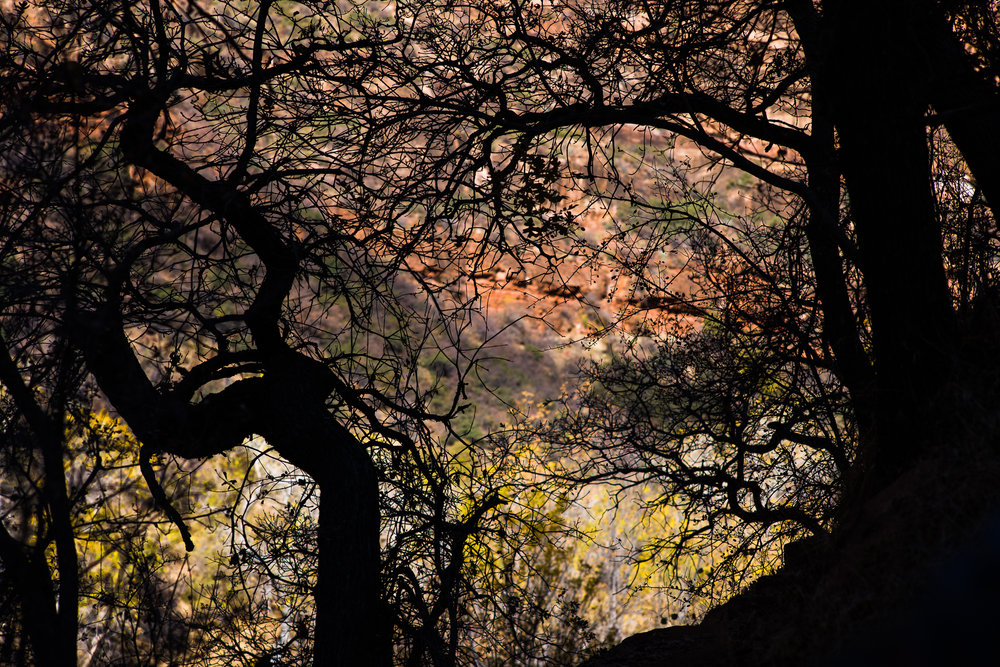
{"x":840,"y":324}
{"x":352,"y":627}
{"x":287,"y":407}
{"x":841,"y":328}
{"x":865,"y":68}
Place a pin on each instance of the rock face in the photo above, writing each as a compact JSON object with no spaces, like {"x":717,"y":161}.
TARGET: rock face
{"x":663,"y":647}
{"x":911,"y":581}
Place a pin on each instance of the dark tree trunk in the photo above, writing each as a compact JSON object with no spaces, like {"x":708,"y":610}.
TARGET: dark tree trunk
{"x":864,"y":66}
{"x":49,"y":615}
{"x":32,"y":584}
{"x":286,"y":406}
{"x":840,"y":323}
{"x":67,"y":565}
{"x":965,"y":101}
{"x":351,"y":626}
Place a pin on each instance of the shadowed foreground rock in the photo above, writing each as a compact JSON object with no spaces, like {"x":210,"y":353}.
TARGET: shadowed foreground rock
{"x":913,"y":581}
{"x":678,"y":645}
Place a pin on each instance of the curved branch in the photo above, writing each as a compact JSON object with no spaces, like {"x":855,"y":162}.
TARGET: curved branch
{"x":160,"y":496}
{"x":233,"y":206}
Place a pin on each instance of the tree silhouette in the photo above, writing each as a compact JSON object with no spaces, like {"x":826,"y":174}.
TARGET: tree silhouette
{"x":843,"y":288}
{"x":240,"y":220}
{"x":205,"y":208}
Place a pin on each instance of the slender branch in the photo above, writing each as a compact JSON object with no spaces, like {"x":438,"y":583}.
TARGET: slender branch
{"x":160,"y":496}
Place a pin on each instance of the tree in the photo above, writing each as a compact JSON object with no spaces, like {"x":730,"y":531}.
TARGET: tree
{"x":253,"y":219}
{"x":42,"y":382}
{"x":216,"y":225}
{"x":867,"y":129}
{"x":37,"y":546}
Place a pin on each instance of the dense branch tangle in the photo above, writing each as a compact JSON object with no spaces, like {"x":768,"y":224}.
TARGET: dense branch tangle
{"x":862,"y":297}
{"x":252,"y":219}
{"x":237,"y":242}
{"x":580,"y":84}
